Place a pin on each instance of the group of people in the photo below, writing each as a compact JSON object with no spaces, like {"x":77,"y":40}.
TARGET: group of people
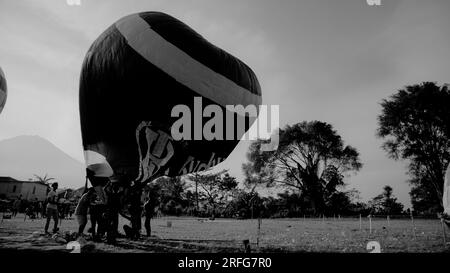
{"x":34,"y":209}
{"x":105,"y":201}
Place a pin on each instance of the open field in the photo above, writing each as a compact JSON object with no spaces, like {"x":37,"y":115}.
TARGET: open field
{"x":226,"y":235}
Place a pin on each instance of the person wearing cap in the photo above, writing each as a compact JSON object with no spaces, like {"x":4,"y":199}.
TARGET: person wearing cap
{"x":52,"y":208}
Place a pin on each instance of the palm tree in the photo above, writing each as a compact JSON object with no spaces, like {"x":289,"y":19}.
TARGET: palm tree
{"x":46,"y":180}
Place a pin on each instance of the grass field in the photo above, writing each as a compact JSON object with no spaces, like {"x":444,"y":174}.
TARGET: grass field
{"x":226,"y":235}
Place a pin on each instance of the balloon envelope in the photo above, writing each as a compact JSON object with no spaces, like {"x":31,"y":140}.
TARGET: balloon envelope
{"x":3,"y":90}
{"x":133,"y":76}
{"x":446,"y":192}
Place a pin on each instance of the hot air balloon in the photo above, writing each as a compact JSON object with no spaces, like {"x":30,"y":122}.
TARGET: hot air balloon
{"x":446,"y":192}
{"x":139,"y":78}
{"x":133,"y":77}
{"x":3,"y":90}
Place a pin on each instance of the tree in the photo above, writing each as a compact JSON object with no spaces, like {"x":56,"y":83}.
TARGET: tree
{"x":343,"y":203}
{"x":311,"y":159}
{"x":215,"y":188}
{"x":244,"y":204}
{"x":386,"y":203}
{"x":416,"y":125}
{"x":170,"y":193}
{"x":44,"y":179}
{"x":424,"y":197}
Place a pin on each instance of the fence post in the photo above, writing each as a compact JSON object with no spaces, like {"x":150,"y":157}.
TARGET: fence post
{"x":360,"y":222}
{"x":388,"y":223}
{"x":370,"y":224}
{"x":259,"y":231}
{"x":413,"y":226}
{"x":443,"y":231}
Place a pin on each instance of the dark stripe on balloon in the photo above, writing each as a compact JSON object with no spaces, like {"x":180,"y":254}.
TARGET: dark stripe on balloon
{"x":3,"y":88}
{"x":193,"y":44}
{"x":181,"y":66}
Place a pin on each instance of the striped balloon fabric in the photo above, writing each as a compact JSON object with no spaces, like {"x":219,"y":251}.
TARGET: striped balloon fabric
{"x":133,"y":76}
{"x":3,"y":90}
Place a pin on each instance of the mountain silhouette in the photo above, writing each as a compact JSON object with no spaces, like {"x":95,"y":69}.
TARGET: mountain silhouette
{"x":22,"y":157}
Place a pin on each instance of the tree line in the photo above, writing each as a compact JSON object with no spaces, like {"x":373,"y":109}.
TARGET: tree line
{"x":309,"y":168}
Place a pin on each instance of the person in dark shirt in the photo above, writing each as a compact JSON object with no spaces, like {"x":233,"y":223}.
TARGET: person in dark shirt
{"x":95,"y":212}
{"x":149,"y":209}
{"x":114,"y":193}
{"x":136,"y":211}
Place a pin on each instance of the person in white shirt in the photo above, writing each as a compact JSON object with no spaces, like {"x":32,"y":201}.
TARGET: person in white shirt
{"x":52,"y":208}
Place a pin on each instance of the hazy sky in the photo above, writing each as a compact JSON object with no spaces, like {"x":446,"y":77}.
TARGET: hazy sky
{"x":319,"y":60}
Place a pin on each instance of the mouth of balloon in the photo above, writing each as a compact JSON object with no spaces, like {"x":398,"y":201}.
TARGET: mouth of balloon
{"x":98,"y":164}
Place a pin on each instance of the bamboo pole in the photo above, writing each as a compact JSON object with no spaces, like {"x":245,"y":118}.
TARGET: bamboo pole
{"x":360,"y":222}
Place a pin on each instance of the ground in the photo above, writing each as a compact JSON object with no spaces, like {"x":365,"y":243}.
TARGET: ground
{"x":227,"y":235}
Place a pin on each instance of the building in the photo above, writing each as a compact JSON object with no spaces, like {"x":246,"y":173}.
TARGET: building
{"x":11,"y":188}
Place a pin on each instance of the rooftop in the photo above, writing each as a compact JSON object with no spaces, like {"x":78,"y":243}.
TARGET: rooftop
{"x":8,"y":179}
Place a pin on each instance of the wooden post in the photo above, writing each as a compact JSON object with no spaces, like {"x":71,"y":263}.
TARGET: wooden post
{"x":259,"y":231}
{"x":360,"y":222}
{"x":388,"y":223}
{"x":370,"y":224}
{"x":413,"y":226}
{"x":444,"y":235}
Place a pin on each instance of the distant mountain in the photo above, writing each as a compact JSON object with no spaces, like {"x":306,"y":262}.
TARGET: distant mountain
{"x":23,"y":156}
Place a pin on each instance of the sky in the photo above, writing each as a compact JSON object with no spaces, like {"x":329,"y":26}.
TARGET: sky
{"x":325,"y":60}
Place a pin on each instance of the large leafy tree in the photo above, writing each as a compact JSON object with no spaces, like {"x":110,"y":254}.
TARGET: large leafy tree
{"x":245,"y":204}
{"x":215,"y":188}
{"x":386,"y":203}
{"x":169,"y":194}
{"x":311,"y":160}
{"x":415,"y":123}
{"x":424,"y":198}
